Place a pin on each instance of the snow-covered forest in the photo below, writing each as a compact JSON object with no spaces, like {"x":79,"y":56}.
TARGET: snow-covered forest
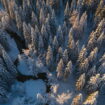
{"x":52,"y":52}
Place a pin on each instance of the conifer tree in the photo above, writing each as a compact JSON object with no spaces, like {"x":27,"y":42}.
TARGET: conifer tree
{"x":44,"y":35}
{"x":34,"y":19}
{"x":73,"y":6}
{"x":5,"y":75}
{"x":42,"y":16}
{"x":60,"y":35}
{"x":82,"y":54}
{"x":9,"y":64}
{"x":59,"y":55}
{"x":49,"y":58}
{"x":59,"y":70}
{"x":83,"y":66}
{"x":40,"y":45}
{"x":100,"y":39}
{"x":80,"y":82}
{"x":65,"y":56}
{"x":53,"y":23}
{"x":102,"y":59}
{"x":27,"y":33}
{"x":64,"y":29}
{"x":77,"y":100}
{"x":71,"y":45}
{"x":93,"y":55}
{"x":93,"y":83}
{"x":91,"y":71}
{"x":67,"y":13}
{"x":101,"y":68}
{"x":55,"y":46}
{"x":68,"y":70}
{"x":92,"y":99}
{"x":3,"y":40}
{"x":35,"y":39}
{"x":19,"y":22}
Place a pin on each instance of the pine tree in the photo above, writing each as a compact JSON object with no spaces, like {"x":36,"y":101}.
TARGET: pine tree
{"x":44,"y":36}
{"x":40,"y":45}
{"x":64,"y":30}
{"x":55,"y":46}
{"x":42,"y":17}
{"x":50,"y":40}
{"x":80,"y":82}
{"x":71,"y":45}
{"x":83,"y":24}
{"x":76,"y":51}
{"x":27,"y":33}
{"x":100,"y":40}
{"x":92,"y":71}
{"x":65,"y":56}
{"x":92,"y":99}
{"x":35,"y":39}
{"x":101,"y":68}
{"x":60,"y":35}
{"x":68,"y":70}
{"x":77,"y":100}
{"x":73,"y":6}
{"x":67,"y":13}
{"x":82,"y":55}
{"x":92,"y":42}
{"x":3,"y":40}
{"x":102,"y":59}
{"x":93,"y":83}
{"x":5,"y":4}
{"x":59,"y":69}
{"x":53,"y":23}
{"x":59,"y":54}
{"x":34,"y":20}
{"x":9,"y":64}
{"x":93,"y":55}
{"x":19,"y":22}
{"x":11,"y":9}
{"x":49,"y":58}
{"x":47,"y":24}
{"x":83,"y":66}
{"x":5,"y":75}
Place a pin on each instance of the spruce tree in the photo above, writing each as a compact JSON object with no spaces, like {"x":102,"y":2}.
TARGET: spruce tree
{"x":59,"y":54}
{"x":49,"y":58}
{"x":68,"y":70}
{"x":59,"y":69}
{"x":91,"y":99}
{"x":93,"y":84}
{"x":65,"y":56}
{"x":35,"y":39}
{"x":80,"y":82}
{"x":34,"y":20}
{"x":44,"y":36}
{"x":60,"y":35}
{"x":55,"y":45}
{"x":77,"y":100}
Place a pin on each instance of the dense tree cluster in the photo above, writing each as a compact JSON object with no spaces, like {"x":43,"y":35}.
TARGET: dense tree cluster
{"x":74,"y":46}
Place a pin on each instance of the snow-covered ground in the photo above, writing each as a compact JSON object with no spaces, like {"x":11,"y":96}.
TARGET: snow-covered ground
{"x":63,"y":91}
{"x":30,"y":92}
